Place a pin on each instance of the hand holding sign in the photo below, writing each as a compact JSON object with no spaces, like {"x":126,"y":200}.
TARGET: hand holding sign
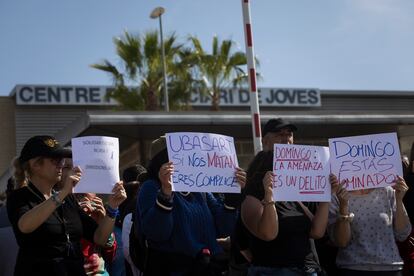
{"x":71,"y":180}
{"x":165,"y":174}
{"x":268,"y":183}
{"x":340,"y":192}
{"x":400,"y":188}
{"x":367,"y":161}
{"x":241,"y":177}
{"x":117,"y":196}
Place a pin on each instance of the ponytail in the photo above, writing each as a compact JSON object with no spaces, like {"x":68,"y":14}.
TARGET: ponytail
{"x":20,"y":172}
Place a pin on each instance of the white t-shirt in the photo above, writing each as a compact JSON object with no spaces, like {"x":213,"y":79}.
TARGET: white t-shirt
{"x":126,"y":229}
{"x":372,"y":245}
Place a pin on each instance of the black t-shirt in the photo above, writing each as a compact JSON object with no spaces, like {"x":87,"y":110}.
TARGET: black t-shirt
{"x":46,"y":249}
{"x":409,"y":196}
{"x":291,"y":246}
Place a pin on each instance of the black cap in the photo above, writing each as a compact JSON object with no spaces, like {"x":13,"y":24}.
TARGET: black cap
{"x":275,"y":125}
{"x":43,"y":146}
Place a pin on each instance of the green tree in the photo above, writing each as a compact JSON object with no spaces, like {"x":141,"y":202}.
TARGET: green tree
{"x":219,"y":69}
{"x":139,"y":83}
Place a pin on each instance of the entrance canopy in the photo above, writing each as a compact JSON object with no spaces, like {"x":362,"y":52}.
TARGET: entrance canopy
{"x":137,"y":126}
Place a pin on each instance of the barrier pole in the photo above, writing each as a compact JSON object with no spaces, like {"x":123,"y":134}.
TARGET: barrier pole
{"x":251,"y":66}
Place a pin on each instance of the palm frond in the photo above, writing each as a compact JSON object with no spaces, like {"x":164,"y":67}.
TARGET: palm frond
{"x":128,"y":48}
{"x":108,"y":67}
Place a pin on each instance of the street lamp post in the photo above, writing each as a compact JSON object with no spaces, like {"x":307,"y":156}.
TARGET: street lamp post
{"x":157,"y":13}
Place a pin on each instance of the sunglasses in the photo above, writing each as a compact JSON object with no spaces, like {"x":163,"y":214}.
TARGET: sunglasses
{"x":58,"y":162}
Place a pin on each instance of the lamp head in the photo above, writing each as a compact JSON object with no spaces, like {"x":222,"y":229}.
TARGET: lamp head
{"x":157,"y":12}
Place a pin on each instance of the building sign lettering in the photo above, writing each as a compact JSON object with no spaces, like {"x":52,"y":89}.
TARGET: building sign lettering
{"x":62,"y":95}
{"x":96,"y":95}
{"x":267,"y":97}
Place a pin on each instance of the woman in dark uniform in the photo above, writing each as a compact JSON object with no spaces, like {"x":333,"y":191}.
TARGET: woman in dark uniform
{"x":49,"y":225}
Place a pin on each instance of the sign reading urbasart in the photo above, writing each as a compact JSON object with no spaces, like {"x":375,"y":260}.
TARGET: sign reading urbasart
{"x":367,"y":161}
{"x":301,"y":173}
{"x":203,"y":162}
{"x":62,"y":95}
{"x":98,"y":157}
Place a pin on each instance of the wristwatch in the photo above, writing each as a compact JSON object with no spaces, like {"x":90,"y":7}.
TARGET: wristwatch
{"x":349,"y":217}
{"x":55,"y":198}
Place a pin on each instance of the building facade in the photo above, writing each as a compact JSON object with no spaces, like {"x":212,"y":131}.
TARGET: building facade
{"x":71,"y":111}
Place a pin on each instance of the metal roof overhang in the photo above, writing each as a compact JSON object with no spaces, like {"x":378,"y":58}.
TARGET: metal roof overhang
{"x":133,"y":126}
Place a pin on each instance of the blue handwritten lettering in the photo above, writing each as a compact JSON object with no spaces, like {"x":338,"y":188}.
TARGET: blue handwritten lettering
{"x":189,"y":143}
{"x":195,"y":161}
{"x":178,"y":159}
{"x":372,"y":149}
{"x":215,"y":180}
{"x":373,"y":164}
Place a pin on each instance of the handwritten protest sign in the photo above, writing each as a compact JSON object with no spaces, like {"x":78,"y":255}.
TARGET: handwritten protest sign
{"x":98,"y":157}
{"x":203,"y":162}
{"x":301,"y":173}
{"x":367,"y":161}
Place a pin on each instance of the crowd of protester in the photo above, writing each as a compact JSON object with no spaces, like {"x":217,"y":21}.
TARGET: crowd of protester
{"x":145,"y":228}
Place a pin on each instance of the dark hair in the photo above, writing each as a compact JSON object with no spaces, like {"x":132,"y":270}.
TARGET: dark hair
{"x":23,"y":171}
{"x":257,"y":169}
{"x":132,"y":173}
{"x":155,"y":164}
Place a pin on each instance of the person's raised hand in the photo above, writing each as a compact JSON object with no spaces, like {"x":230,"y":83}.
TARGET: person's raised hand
{"x":343,"y":196}
{"x":400,"y":188}
{"x":98,"y":211}
{"x":268,"y":182}
{"x":333,"y":180}
{"x":241,"y":177}
{"x":164,"y":175}
{"x":118,"y":195}
{"x":72,"y":178}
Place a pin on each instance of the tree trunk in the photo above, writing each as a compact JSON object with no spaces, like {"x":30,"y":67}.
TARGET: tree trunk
{"x":215,"y":100}
{"x":151,"y":103}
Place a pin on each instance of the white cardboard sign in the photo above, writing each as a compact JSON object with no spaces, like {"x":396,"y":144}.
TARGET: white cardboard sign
{"x":203,"y":162}
{"x":301,"y":173}
{"x":366,"y":161}
{"x":98,"y":157}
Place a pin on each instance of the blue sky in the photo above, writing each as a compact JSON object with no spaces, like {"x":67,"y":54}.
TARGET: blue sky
{"x":327,"y":44}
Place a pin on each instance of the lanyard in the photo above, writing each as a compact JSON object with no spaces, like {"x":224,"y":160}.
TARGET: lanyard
{"x":60,"y":217}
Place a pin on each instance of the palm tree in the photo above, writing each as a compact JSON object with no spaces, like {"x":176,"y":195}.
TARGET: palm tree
{"x":140,"y":82}
{"x":219,"y":69}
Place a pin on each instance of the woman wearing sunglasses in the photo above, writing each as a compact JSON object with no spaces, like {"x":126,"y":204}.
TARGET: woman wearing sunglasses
{"x":49,"y":225}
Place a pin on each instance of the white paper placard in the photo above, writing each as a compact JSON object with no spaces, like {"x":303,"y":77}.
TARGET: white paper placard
{"x":301,"y":173}
{"x":203,"y":162}
{"x":366,"y":161}
{"x":98,"y":157}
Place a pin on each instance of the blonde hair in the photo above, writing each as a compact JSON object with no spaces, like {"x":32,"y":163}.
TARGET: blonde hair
{"x":20,"y":172}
